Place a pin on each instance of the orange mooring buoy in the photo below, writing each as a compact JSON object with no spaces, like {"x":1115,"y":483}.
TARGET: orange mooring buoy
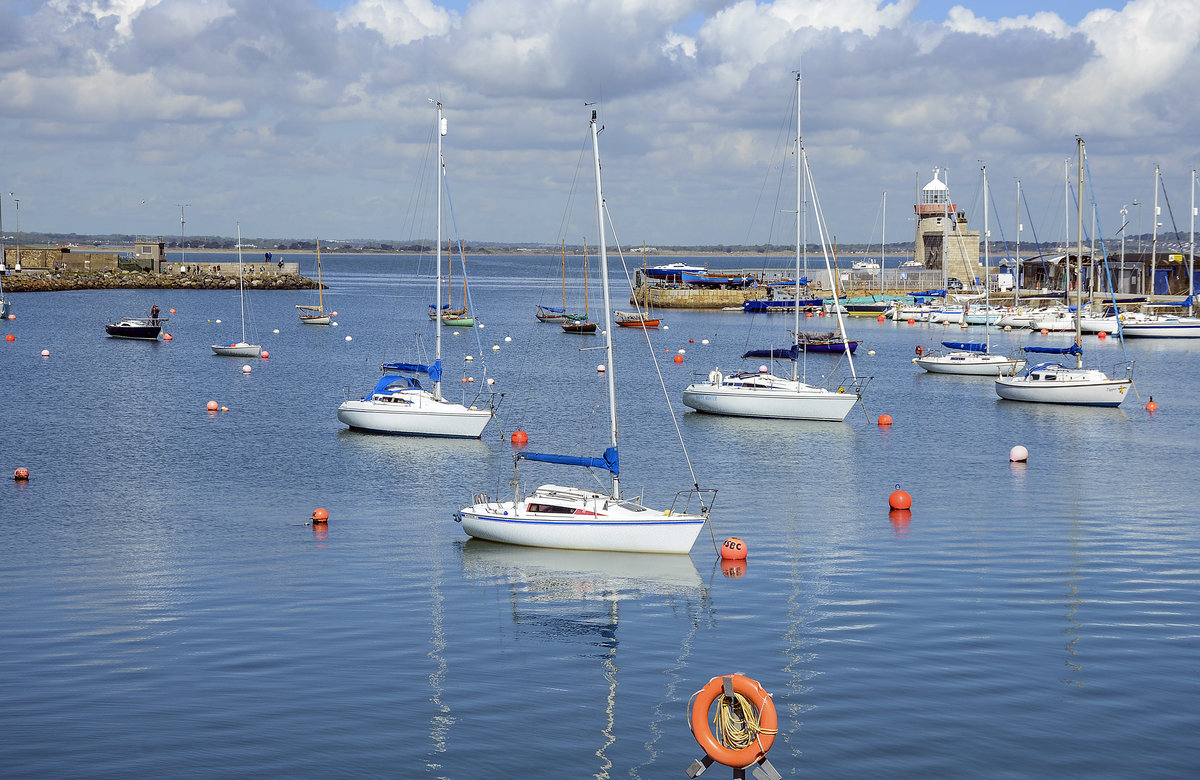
{"x":900,"y":499}
{"x":21,"y":474}
{"x":885,"y":420}
{"x":733,"y":549}
{"x":519,"y":437}
{"x":212,"y":406}
{"x":1151,"y":406}
{"x":10,"y":337}
{"x":1102,"y":335}
{"x":319,"y":515}
{"x":679,"y":358}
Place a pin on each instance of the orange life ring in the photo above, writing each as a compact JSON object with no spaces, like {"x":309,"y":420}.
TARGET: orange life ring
{"x":767,"y":722}
{"x":919,"y":350}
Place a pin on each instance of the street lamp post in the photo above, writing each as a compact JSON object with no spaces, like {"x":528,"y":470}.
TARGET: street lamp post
{"x":1138,"y":203}
{"x":1124,"y":224}
{"x":182,"y":250}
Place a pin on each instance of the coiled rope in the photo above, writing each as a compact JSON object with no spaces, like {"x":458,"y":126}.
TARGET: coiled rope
{"x":735,"y":722}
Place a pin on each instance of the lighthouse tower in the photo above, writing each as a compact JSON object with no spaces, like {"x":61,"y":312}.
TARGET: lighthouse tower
{"x":943,"y":242}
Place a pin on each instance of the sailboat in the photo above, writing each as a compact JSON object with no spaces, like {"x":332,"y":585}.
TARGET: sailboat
{"x":578,"y":323}
{"x":763,"y":394}
{"x":239,"y":348}
{"x":582,"y":518}
{"x":461,"y":317}
{"x":399,"y":404}
{"x":640,"y":318}
{"x":553,"y":313}
{"x":316,"y":315}
{"x":973,"y":358}
{"x":1054,"y":383}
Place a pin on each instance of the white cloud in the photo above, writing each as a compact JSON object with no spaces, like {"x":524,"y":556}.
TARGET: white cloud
{"x":398,"y":21}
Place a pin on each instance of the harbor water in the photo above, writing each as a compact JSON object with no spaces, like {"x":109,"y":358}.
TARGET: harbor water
{"x":168,"y":611}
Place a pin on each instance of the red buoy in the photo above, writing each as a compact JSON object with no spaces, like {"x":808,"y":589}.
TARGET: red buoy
{"x":911,"y":321}
{"x":733,"y":549}
{"x":885,"y":420}
{"x":167,"y":337}
{"x":265,"y":354}
{"x":900,"y":499}
{"x":319,"y":515}
{"x":519,"y":437}
{"x":1151,"y":406}
{"x":1102,"y":335}
{"x":212,"y":406}
{"x":10,"y":337}
{"x":21,"y":474}
{"x":679,"y":358}
{"x":881,"y":318}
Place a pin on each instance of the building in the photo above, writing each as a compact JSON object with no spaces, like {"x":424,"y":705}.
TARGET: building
{"x":943,"y":242}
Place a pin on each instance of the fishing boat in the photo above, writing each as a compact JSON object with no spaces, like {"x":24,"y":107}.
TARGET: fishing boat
{"x":144,"y":328}
{"x":239,"y":348}
{"x":316,"y":315}
{"x":399,"y":404}
{"x":460,"y":317}
{"x":763,"y":394}
{"x":578,"y":323}
{"x":585,"y":518}
{"x":1054,"y":383}
{"x":972,"y":358}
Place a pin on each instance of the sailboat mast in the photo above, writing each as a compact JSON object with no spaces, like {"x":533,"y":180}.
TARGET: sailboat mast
{"x":1154,"y":238}
{"x":320,"y":286}
{"x":1192,"y":242}
{"x":1017,"y":268}
{"x":882,"y":245}
{"x":799,"y":225}
{"x":586,"y":293}
{"x":241,"y":289}
{"x":441,"y":172}
{"x":608,"y":344}
{"x":1079,"y":260}
{"x":987,"y":257}
{"x":564,"y":275}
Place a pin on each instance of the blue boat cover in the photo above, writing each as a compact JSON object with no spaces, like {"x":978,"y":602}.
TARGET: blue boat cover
{"x":404,"y":382}
{"x":929,"y":294}
{"x":609,"y":462}
{"x":1185,"y":302}
{"x":1074,"y":349}
{"x":550,"y":308}
{"x":966,"y":346}
{"x":776,"y":354}
{"x":434,"y":371}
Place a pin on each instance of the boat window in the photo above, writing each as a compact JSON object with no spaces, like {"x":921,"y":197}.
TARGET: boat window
{"x":550,"y":508}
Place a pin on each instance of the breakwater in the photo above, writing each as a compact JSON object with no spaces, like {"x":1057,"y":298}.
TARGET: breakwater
{"x":57,"y":281}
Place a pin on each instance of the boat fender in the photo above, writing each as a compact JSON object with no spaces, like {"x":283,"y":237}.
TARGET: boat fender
{"x":745,"y":718}
{"x":714,"y":377}
{"x":920,"y":351}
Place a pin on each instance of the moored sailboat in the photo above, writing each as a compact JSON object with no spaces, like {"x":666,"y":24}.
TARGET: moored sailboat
{"x":584,"y":518}
{"x":1054,"y":383}
{"x":239,"y":348}
{"x":316,"y":315}
{"x":399,"y":404}
{"x":763,"y":394}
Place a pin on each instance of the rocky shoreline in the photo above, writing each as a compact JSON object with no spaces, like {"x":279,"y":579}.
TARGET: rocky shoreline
{"x":58,"y":281}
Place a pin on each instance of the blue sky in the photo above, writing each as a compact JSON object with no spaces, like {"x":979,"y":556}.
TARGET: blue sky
{"x":305,"y":118}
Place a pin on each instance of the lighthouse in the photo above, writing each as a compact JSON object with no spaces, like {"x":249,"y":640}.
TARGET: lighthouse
{"x":943,"y":242}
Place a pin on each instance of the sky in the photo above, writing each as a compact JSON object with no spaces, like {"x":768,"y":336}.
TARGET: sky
{"x":303,"y":118}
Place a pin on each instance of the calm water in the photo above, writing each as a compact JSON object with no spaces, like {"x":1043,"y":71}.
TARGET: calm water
{"x":167,"y":612}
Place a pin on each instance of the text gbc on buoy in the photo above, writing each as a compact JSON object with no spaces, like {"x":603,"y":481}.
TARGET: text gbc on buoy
{"x":734,"y":549}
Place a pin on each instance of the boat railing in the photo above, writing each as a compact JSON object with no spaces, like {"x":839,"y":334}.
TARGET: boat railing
{"x":695,"y":494}
{"x":1126,"y":366}
{"x":859,"y":383}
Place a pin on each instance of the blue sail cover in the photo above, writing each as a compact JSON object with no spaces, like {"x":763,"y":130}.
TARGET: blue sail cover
{"x":1074,"y":349}
{"x":434,"y":371}
{"x":929,"y":294}
{"x":965,"y":346}
{"x":610,"y":461}
{"x":789,"y":353}
{"x":397,"y":383}
{"x":550,"y":308}
{"x":1185,"y":302}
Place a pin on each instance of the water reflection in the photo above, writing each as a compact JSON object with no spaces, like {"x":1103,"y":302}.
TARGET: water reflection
{"x":569,"y":593}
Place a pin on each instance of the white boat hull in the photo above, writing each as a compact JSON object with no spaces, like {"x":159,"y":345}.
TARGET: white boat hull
{"x":764,"y":395}
{"x":1166,"y":328}
{"x":596,"y":522}
{"x":319,"y":319}
{"x":240,"y":349}
{"x":414,"y":413}
{"x":970,"y":364}
{"x":1078,"y":387}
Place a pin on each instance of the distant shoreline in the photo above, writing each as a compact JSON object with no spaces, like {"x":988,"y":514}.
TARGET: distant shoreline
{"x":61,"y":281}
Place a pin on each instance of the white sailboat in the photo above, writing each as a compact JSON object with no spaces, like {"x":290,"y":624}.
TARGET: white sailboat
{"x":239,"y":348}
{"x":399,"y":404}
{"x":972,"y":358}
{"x":763,"y":394}
{"x":582,"y":518}
{"x":1053,"y":383}
{"x":316,"y":315}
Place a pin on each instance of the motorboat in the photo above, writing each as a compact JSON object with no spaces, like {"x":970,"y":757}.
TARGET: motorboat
{"x":144,"y":328}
